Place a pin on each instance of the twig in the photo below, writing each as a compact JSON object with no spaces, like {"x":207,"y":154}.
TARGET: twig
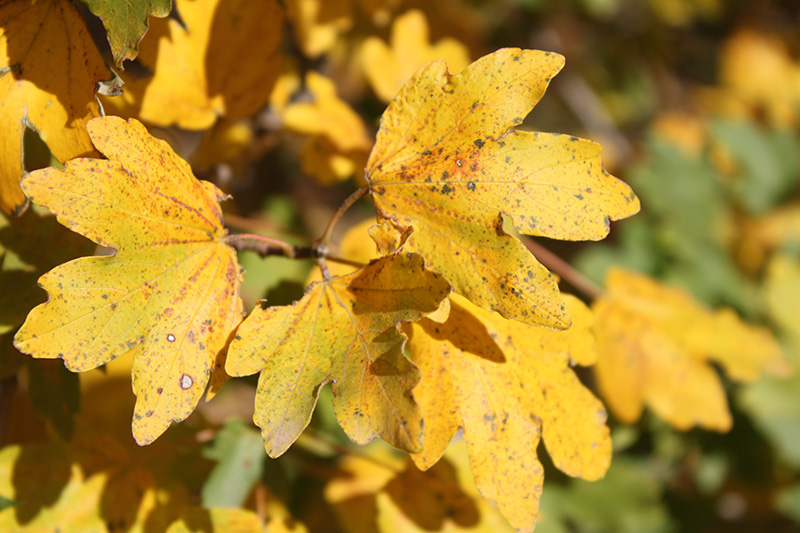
{"x":265,"y":246}
{"x":252,"y":224}
{"x":563,"y":269}
{"x":349,"y":201}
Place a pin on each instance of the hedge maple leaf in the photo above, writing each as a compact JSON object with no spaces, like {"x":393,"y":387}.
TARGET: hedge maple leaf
{"x":343,"y":330}
{"x":49,"y":69}
{"x":508,"y":385}
{"x":169,"y":294}
{"x":219,"y":59}
{"x":655,"y":347}
{"x":448,"y":162}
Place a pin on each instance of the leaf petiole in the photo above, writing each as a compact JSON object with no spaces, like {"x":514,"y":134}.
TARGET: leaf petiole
{"x":563,"y":269}
{"x":349,"y":201}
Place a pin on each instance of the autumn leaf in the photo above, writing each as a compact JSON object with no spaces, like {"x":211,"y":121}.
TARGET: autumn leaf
{"x":449,"y":163}
{"x":49,"y":69}
{"x":169,"y":294}
{"x":222,"y":61}
{"x":318,"y":23}
{"x":338,"y":143}
{"x":23,"y":259}
{"x":388,"y":67}
{"x":343,"y":330}
{"x":380,"y":491}
{"x":656,"y":344}
{"x":509,"y":385}
{"x":126,"y":23}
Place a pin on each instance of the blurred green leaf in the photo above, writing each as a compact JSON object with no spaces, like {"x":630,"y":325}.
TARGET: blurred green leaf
{"x":768,"y":162}
{"x":239,"y":452}
{"x":788,"y":502}
{"x":774,"y":407}
{"x":628,"y":499}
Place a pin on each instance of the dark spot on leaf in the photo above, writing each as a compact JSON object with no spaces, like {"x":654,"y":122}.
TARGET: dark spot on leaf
{"x":479,"y":143}
{"x":471,"y":185}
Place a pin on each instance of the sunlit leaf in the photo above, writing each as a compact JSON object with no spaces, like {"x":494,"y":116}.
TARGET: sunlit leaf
{"x":388,"y":67}
{"x":49,"y":69}
{"x":656,"y":344}
{"x":126,"y":22}
{"x":449,"y":163}
{"x":509,"y":385}
{"x":343,"y":330}
{"x":169,"y":293}
{"x":221,"y":59}
{"x":338,"y":145}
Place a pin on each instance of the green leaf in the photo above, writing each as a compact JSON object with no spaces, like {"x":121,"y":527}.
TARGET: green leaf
{"x":239,"y":452}
{"x":773,"y":406}
{"x":126,"y":22}
{"x":767,"y":161}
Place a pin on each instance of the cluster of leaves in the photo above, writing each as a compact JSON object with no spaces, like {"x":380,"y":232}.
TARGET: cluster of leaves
{"x":431,"y":318}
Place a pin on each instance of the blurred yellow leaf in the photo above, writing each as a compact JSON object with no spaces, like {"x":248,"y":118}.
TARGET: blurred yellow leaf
{"x":222,"y":63}
{"x":381,"y":492}
{"x":757,"y":74}
{"x":508,"y":385}
{"x":389,"y":67}
{"x":782,"y":289}
{"x":227,"y":520}
{"x":338,"y":143}
{"x":449,"y":163}
{"x":656,"y":344}
{"x":49,"y":70}
{"x":318,"y":23}
{"x":343,"y":330}
{"x":170,"y":294}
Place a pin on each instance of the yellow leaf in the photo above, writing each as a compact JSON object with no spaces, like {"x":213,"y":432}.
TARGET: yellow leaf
{"x":338,"y":143}
{"x":170,"y":294}
{"x":508,"y":385}
{"x":222,"y":63}
{"x":449,"y":163}
{"x":343,"y":330}
{"x":318,"y":23}
{"x":380,"y":492}
{"x":388,"y":67}
{"x":758,"y":70}
{"x":228,"y":520}
{"x":49,"y":68}
{"x":782,"y":289}
{"x":655,"y":347}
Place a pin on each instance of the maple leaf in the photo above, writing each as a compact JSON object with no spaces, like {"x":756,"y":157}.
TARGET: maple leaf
{"x":49,"y":68}
{"x":508,"y":385}
{"x":449,"y":163}
{"x":222,"y":61}
{"x":655,"y":346}
{"x":343,"y":330}
{"x":388,"y":67}
{"x":338,"y":143}
{"x":126,"y":23}
{"x":170,"y":294}
{"x":378,"y":490}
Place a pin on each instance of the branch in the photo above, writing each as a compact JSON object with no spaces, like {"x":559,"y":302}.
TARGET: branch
{"x":265,"y":246}
{"x":563,"y":269}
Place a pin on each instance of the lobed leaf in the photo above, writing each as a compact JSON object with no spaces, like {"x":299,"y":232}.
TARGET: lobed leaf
{"x":126,"y":22}
{"x":221,"y":59}
{"x":169,"y":294}
{"x":49,"y":69}
{"x":449,"y":163}
{"x":656,"y":344}
{"x":343,"y":330}
{"x":508,"y":385}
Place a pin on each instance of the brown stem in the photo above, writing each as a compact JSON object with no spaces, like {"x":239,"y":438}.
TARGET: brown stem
{"x":343,"y":261}
{"x":563,"y":269}
{"x":265,"y":246}
{"x":326,"y":236}
{"x":252,"y":224}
